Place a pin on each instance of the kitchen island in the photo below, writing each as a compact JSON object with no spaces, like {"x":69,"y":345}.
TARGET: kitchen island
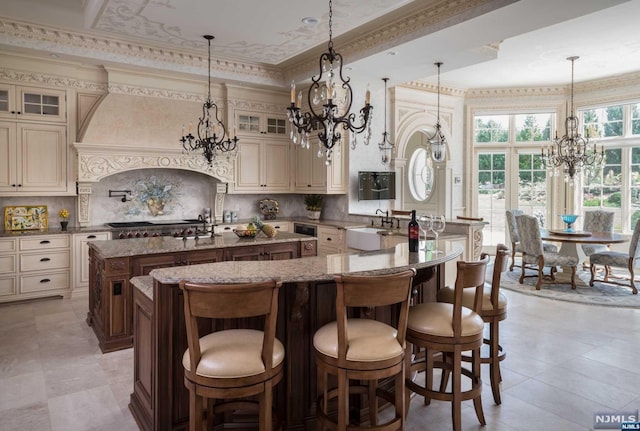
{"x":112,"y":264}
{"x":160,"y":400}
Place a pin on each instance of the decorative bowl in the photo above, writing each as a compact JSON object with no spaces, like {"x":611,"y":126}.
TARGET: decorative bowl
{"x":569,"y":219}
{"x":242,"y":233}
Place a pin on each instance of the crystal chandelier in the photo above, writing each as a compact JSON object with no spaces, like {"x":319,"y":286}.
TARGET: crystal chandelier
{"x":212,"y":134}
{"x":324,"y":114}
{"x":571,"y":151}
{"x":437,"y":141}
{"x":386,"y":146}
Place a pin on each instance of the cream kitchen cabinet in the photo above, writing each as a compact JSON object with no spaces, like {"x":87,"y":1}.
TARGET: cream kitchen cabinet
{"x":255,"y":123}
{"x":331,"y":240}
{"x":262,"y":166}
{"x":80,"y":268}
{"x":32,"y":103}
{"x":8,"y":268}
{"x":313,"y":175}
{"x":33,"y":159}
{"x":37,"y":267}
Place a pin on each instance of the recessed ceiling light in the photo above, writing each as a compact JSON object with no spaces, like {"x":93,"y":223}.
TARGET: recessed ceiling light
{"x":310,"y":20}
{"x":392,"y":53}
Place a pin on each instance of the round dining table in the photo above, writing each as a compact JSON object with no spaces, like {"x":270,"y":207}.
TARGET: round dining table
{"x":573,"y":240}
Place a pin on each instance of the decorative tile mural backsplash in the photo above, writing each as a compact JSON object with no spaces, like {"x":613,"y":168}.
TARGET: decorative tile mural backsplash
{"x":156,"y":194}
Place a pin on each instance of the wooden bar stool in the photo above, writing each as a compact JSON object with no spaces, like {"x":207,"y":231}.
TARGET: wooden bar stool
{"x":450,"y":329}
{"x":494,"y":310}
{"x":364,"y":349}
{"x":231,"y":364}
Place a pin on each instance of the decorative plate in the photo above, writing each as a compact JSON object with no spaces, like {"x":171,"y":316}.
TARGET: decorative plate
{"x":269,"y":208}
{"x":26,"y":217}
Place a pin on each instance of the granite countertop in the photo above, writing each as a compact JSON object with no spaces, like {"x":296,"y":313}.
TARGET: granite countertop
{"x":144,"y":284}
{"x":53,"y":230}
{"x":316,"y":268}
{"x":169,"y":244}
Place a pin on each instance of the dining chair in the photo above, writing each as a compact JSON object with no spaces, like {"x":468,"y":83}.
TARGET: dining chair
{"x":597,"y":221}
{"x":535,"y":257}
{"x":493,"y":311}
{"x":358,"y":348}
{"x":449,"y":328}
{"x":617,"y":259}
{"x":515,"y":236}
{"x":227,"y":366}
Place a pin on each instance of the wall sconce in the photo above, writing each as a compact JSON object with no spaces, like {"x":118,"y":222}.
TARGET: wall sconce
{"x":124,"y":194}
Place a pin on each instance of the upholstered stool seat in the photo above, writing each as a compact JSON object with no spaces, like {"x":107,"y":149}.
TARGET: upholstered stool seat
{"x":450,"y":329}
{"x":233,"y":353}
{"x":359,"y":351}
{"x":493,"y":311}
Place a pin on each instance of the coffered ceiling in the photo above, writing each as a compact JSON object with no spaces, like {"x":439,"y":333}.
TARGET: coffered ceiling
{"x":483,"y":43}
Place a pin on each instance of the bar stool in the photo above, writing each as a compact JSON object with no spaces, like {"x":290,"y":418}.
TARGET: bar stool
{"x":494,"y":310}
{"x":360,"y":348}
{"x":450,"y":329}
{"x":231,"y":364}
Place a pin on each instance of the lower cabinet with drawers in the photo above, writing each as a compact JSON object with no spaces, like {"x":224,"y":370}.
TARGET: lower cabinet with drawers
{"x":34,"y":267}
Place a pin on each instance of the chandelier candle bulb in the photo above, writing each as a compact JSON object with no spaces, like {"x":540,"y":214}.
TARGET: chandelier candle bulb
{"x":293,"y":92}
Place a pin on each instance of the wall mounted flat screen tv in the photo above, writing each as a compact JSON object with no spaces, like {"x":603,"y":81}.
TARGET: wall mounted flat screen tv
{"x":376,"y":185}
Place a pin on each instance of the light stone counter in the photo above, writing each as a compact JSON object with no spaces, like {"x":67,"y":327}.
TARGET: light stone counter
{"x":316,"y":268}
{"x":169,"y":244}
{"x":144,"y":284}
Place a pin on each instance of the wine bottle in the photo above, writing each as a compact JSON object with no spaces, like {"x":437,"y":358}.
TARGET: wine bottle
{"x":414,"y":233}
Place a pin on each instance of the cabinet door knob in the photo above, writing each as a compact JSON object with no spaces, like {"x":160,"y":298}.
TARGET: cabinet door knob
{"x":19,"y":185}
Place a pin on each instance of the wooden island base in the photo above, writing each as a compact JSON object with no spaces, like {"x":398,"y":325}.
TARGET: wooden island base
{"x":160,"y":400}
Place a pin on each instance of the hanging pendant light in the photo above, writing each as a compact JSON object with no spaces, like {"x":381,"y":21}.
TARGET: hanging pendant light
{"x":437,"y":142}
{"x":386,"y":146}
{"x":571,"y":152}
{"x":329,"y":99}
{"x":212,"y":133}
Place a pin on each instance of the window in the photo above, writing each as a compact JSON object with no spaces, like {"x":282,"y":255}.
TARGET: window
{"x":533,"y":127}
{"x":491,"y":128}
{"x":532,"y":185}
{"x":491,"y":195}
{"x":635,"y":187}
{"x":603,"y":122}
{"x":420,"y":175}
{"x":603,"y":185}
{"x":635,"y":119}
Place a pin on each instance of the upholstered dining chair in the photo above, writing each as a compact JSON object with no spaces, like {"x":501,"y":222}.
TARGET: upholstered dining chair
{"x":493,"y":311}
{"x":597,"y":221}
{"x":616,"y":259}
{"x":361,"y":349}
{"x":535,"y":257}
{"x":226,"y":366}
{"x":515,"y":236}
{"x":450,"y":328}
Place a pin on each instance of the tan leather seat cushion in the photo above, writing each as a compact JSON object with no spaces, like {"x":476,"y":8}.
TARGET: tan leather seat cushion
{"x":233,"y":353}
{"x":369,"y":340}
{"x":468,"y":295}
{"x":434,"y":318}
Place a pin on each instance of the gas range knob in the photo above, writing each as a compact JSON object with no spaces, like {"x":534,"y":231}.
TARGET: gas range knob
{"x":122,"y":235}
{"x":138,"y":234}
{"x":155,"y":234}
{"x":146,"y":234}
{"x":130,"y":235}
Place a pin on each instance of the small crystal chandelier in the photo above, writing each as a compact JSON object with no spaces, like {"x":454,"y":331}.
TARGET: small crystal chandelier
{"x":437,"y":142}
{"x":571,"y":151}
{"x":324,"y":115}
{"x":212,"y":134}
{"x":386,"y":146}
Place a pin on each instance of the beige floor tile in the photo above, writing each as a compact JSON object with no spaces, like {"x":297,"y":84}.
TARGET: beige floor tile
{"x":33,"y":417}
{"x":73,"y":378}
{"x":84,"y":410}
{"x":22,"y":390}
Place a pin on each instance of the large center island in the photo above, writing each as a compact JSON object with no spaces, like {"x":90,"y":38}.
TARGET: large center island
{"x":160,"y":400}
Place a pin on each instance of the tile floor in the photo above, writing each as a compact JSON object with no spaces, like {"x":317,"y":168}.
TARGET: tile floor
{"x":565,"y":361}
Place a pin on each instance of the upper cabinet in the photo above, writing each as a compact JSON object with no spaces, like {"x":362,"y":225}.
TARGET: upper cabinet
{"x":311,"y":174}
{"x":262,"y":166}
{"x":254,"y":123}
{"x":32,"y":103}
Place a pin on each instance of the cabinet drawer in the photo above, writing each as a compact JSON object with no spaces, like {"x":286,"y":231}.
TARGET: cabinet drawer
{"x":44,"y":261}
{"x":43,"y":243}
{"x":7,"y":286}
{"x":7,"y":264}
{"x":7,"y":245}
{"x":46,"y":281}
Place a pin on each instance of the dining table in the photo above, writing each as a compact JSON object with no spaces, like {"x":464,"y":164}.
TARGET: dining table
{"x":573,"y":240}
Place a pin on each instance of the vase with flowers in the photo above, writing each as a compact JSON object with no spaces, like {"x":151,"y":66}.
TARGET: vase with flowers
{"x":64,"y":218}
{"x":313,"y":204}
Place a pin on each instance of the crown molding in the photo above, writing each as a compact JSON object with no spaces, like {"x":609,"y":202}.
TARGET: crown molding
{"x":50,"y":80}
{"x":110,"y":50}
{"x":433,"y":88}
{"x":136,"y":90}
